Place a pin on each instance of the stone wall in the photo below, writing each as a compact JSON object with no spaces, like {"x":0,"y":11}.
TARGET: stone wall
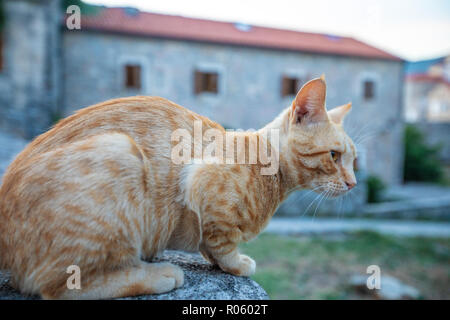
{"x":249,"y":84}
{"x":29,"y":84}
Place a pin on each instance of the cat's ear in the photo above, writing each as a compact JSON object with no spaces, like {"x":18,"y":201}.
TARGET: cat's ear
{"x":338,"y":114}
{"x":309,"y":104}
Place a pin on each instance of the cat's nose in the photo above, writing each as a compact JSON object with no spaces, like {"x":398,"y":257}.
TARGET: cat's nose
{"x":350,"y":185}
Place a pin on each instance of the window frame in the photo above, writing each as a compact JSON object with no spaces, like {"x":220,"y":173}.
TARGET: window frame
{"x":143,"y":62}
{"x":211,"y":68}
{"x":371,"y":89}
{"x":206,"y":82}
{"x":359,"y":86}
{"x":133,"y":72}
{"x":295,"y":83}
{"x":301,"y":75}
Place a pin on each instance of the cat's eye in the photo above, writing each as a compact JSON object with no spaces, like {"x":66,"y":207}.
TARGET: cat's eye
{"x":334,"y":155}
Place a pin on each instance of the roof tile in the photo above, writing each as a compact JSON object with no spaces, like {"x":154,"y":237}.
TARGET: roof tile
{"x":159,"y":25}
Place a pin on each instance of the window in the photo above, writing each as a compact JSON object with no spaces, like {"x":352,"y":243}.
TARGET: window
{"x":369,"y":90}
{"x":289,"y":86}
{"x":206,"y":82}
{"x":133,"y":76}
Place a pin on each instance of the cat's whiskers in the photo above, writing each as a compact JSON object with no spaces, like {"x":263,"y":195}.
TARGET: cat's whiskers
{"x":327,"y":192}
{"x":307,"y":193}
{"x":364,"y":137}
{"x":352,"y":195}
{"x":312,"y":202}
{"x":355,"y":129}
{"x":298,"y":197}
{"x":362,"y":130}
{"x":341,"y":199}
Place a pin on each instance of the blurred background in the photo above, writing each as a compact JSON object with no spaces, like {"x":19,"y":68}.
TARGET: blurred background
{"x":240,"y":63}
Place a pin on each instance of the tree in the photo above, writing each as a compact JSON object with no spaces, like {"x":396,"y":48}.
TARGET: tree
{"x":2,"y":14}
{"x":421,"y":160}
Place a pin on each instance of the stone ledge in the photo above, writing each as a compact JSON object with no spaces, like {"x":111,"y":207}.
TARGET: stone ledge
{"x":431,"y":208}
{"x":202,"y":282}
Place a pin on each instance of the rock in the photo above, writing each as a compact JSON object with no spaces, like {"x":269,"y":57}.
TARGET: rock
{"x":391,"y":288}
{"x":202,"y":282}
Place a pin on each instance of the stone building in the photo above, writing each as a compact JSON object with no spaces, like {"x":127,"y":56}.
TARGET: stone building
{"x":427,"y":90}
{"x":427,"y":102}
{"x":239,"y":75}
{"x":30,"y":65}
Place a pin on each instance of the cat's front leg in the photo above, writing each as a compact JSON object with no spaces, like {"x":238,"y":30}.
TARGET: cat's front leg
{"x":228,"y":258}
{"x":223,"y":225}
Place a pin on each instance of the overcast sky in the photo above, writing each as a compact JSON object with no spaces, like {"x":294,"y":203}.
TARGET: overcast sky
{"x":411,"y":29}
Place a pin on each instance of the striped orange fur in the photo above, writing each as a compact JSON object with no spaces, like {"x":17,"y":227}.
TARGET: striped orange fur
{"x":99,"y":191}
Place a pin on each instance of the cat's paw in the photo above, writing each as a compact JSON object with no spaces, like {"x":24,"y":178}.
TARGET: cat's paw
{"x":247,"y":265}
{"x":166,"y":276}
{"x":242,"y":266}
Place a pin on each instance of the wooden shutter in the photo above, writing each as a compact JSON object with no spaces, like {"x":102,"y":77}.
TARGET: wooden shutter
{"x":133,"y":76}
{"x":212,"y":82}
{"x":369,"y":90}
{"x":137,"y":77}
{"x":198,"y":77}
{"x":289,"y":86}
{"x":128,"y":77}
{"x":284,"y":86}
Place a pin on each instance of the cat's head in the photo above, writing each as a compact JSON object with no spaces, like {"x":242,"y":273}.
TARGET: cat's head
{"x":320,"y":154}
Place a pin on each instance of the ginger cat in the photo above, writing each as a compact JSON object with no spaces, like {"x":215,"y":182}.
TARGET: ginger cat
{"x":99,"y":191}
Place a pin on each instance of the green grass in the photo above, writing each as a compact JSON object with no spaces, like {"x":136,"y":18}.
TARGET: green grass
{"x":319,"y":267}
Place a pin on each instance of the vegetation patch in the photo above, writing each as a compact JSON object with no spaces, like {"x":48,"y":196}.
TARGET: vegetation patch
{"x":318,"y":267}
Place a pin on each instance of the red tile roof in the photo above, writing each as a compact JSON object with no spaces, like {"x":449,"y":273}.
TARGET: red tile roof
{"x":131,"y":21}
{"x":419,"y":77}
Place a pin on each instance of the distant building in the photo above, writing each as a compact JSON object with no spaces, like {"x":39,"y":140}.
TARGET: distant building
{"x":427,"y":90}
{"x":427,"y":102}
{"x":239,"y":75}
